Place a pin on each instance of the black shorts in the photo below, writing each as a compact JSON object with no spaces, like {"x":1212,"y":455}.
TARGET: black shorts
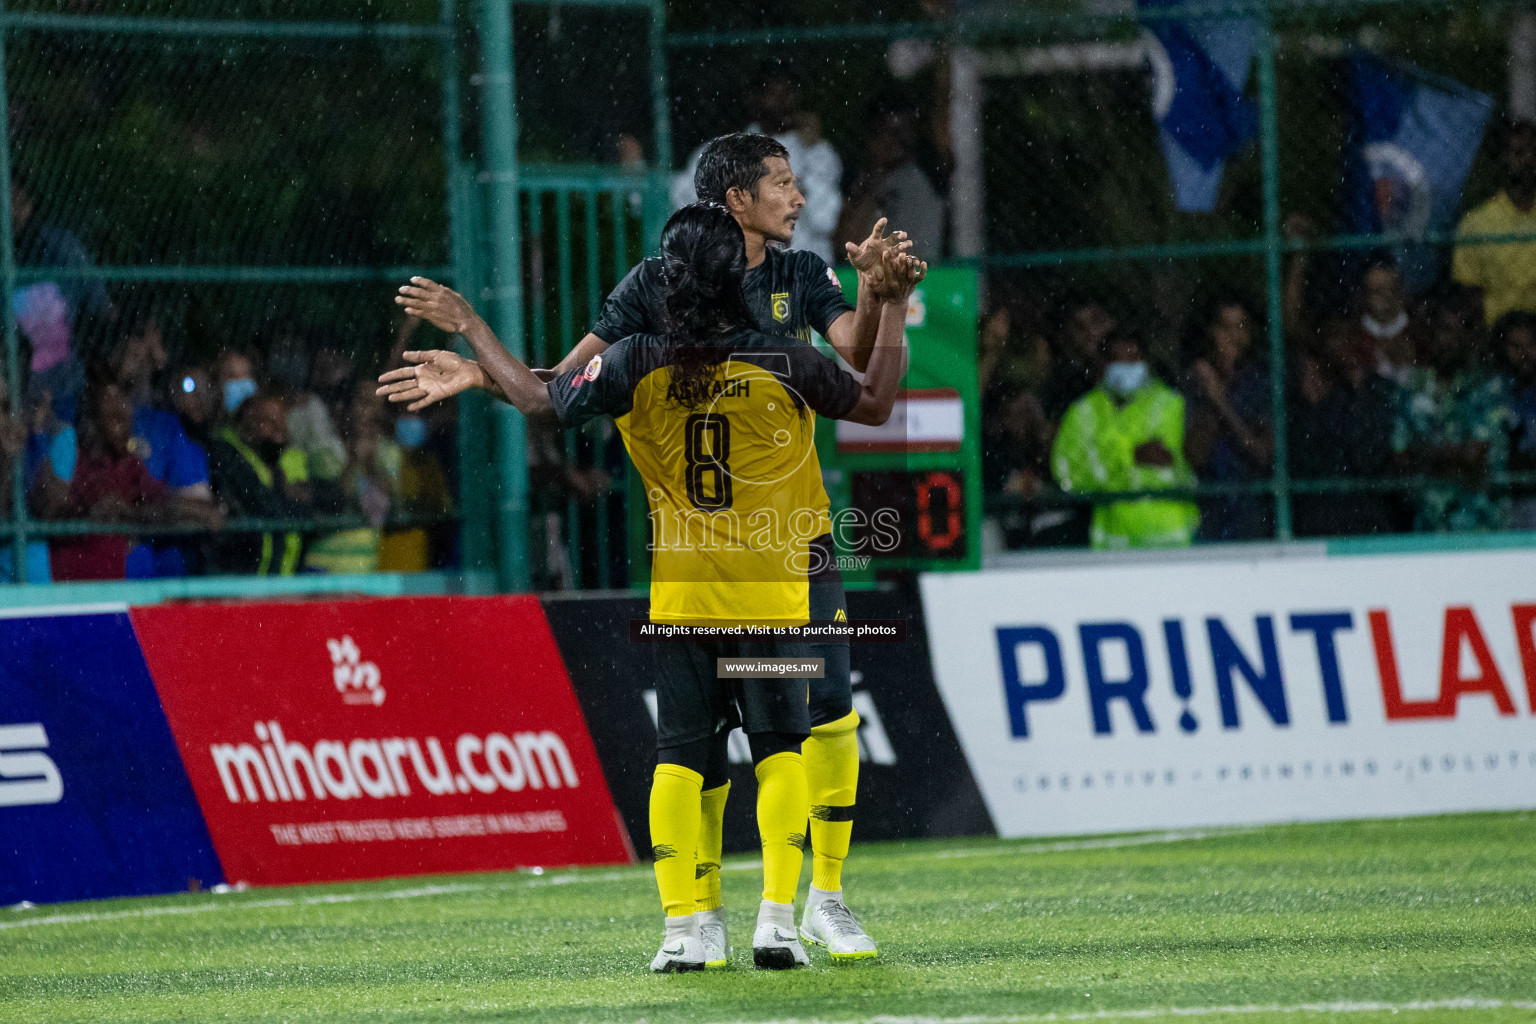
{"x":832,"y":695}
{"x":692,"y":704}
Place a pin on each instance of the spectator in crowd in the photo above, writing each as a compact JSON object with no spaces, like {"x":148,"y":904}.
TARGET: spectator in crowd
{"x":14,"y":452}
{"x":421,"y":489}
{"x":1516,"y":337}
{"x":193,"y":399}
{"x":110,"y":484}
{"x":1341,"y":429}
{"x":1386,"y":330}
{"x":1076,"y":361}
{"x":368,"y":484}
{"x":311,"y":427}
{"x":254,"y":477}
{"x":1127,"y":434}
{"x":1504,"y":272}
{"x":893,"y":183}
{"x":1017,"y":435}
{"x":54,"y":316}
{"x":1227,"y":388}
{"x":137,"y":361}
{"x":1452,"y":420}
{"x":236,"y":371}
{"x":818,"y":169}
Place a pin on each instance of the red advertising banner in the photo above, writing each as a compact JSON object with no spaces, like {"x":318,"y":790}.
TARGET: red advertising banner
{"x":371,"y":738}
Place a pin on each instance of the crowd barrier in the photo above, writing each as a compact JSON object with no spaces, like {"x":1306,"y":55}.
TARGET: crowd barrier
{"x":1190,"y":693}
{"x":156,"y":749}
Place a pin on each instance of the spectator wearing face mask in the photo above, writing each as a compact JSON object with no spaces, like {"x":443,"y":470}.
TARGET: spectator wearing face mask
{"x":1127,"y":434}
{"x":421,"y":489}
{"x":1387,"y":331}
{"x":254,"y":477}
{"x":236,"y":379}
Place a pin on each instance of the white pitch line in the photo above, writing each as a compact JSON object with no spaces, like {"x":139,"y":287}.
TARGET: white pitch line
{"x":1154,"y":1013}
{"x":1069,"y":845}
{"x":609,"y":876}
{"x":329,"y":898}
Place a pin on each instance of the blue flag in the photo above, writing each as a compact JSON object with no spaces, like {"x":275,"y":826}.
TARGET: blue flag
{"x":1413,"y":137}
{"x":1199,"y":71}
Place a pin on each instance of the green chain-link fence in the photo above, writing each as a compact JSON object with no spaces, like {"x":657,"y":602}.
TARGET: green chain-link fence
{"x":1079,"y":229}
{"x":261,"y":174}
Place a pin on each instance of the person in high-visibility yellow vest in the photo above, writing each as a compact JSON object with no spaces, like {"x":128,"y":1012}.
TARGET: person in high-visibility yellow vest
{"x":1127,"y":434}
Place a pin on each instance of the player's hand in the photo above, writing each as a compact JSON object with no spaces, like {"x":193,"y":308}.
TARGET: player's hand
{"x":865,"y":255}
{"x":431,"y":377}
{"x":437,"y":304}
{"x":902,"y":274}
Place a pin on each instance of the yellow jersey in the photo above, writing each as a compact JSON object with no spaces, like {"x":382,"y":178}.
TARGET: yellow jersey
{"x":732,"y":485}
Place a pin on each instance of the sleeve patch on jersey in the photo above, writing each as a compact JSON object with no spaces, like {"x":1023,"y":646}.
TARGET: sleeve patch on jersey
{"x":594,"y":368}
{"x":832,"y":276}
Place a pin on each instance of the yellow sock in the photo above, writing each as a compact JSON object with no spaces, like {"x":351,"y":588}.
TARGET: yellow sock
{"x":706,"y":886}
{"x":675,"y":834}
{"x":782,"y":807}
{"x":832,"y":773}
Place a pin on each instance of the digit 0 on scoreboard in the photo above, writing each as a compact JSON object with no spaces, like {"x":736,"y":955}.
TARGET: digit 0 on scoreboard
{"x":909,"y":514}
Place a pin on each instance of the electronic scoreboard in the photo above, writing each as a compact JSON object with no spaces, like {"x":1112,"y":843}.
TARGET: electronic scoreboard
{"x":908,"y":494}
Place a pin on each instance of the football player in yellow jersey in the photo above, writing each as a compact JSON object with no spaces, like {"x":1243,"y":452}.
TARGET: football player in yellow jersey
{"x":791,"y":294}
{"x":719,"y":420}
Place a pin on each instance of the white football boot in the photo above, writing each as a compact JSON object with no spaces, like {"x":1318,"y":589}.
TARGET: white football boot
{"x":681,"y":949}
{"x":828,"y":922}
{"x":775,"y":946}
{"x":717,"y":945}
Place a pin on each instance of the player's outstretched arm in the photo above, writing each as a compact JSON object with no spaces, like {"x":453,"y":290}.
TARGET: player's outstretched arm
{"x":447,"y":310}
{"x":883,"y":373}
{"x":431,"y":376}
{"x":853,"y":334}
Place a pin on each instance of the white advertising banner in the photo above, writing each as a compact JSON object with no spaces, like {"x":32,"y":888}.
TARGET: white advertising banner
{"x":1178,"y":694}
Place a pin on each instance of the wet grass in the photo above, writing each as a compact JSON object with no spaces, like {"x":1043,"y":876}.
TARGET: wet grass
{"x":1432,"y":918}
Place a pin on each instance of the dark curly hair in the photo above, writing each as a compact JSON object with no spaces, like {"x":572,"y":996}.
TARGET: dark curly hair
{"x":734,"y":161}
{"x":703,"y":261}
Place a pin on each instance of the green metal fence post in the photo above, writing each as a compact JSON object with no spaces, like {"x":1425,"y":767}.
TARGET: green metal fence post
{"x":661,"y":108}
{"x":499,"y":140}
{"x":476,"y":486}
{"x":12,"y":342}
{"x":1274,"y":247}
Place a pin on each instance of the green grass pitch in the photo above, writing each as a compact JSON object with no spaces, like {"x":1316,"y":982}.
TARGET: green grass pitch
{"x":1419,"y":920}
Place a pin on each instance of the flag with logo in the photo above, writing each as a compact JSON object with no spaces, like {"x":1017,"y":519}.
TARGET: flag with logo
{"x":1199,"y":69}
{"x":1414,"y":136}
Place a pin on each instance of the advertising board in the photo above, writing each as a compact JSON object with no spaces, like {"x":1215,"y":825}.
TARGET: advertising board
{"x":93,"y":799}
{"x":1158,"y":695}
{"x":361,"y":739}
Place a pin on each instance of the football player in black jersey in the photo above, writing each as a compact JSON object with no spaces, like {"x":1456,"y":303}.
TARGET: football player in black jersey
{"x":790,"y":294}
{"x":720,"y":421}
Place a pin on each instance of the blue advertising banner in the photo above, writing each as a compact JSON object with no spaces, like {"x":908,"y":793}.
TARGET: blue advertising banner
{"x":94,"y":801}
